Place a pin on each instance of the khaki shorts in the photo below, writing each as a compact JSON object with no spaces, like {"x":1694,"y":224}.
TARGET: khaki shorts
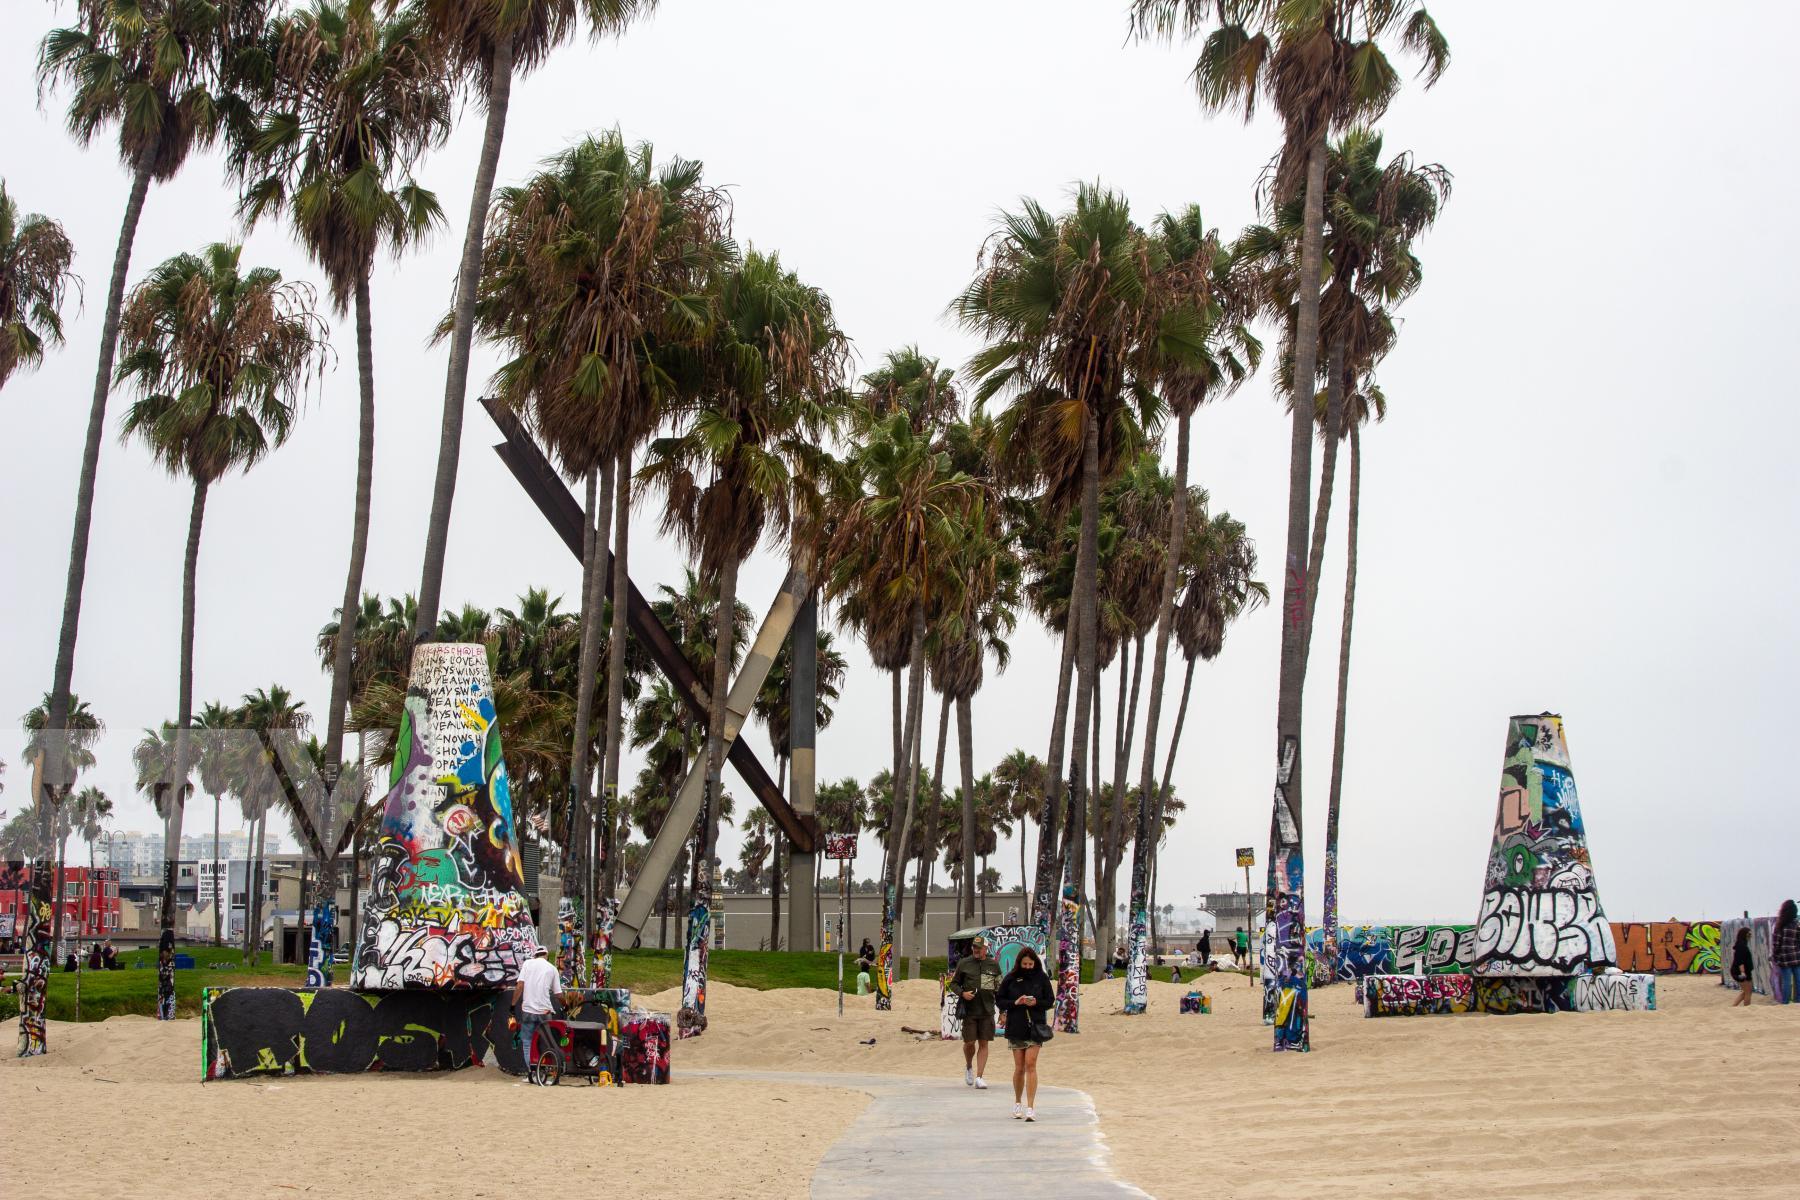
{"x":978,"y":1028}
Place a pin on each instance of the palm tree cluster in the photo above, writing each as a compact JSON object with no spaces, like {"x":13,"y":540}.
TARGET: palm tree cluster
{"x":652,"y":354}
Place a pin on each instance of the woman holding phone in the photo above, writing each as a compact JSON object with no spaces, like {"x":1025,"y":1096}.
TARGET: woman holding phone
{"x":1029,"y":1004}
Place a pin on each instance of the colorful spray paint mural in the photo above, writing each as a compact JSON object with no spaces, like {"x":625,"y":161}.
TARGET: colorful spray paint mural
{"x":1668,"y":947}
{"x":319,"y":948}
{"x":1284,"y":968}
{"x":261,"y":1030}
{"x":884,"y":955}
{"x":690,"y":1020}
{"x":34,"y":887}
{"x":1614,"y":991}
{"x":446,"y":907}
{"x":165,"y":976}
{"x":1540,"y":911}
{"x":1137,"y":966}
{"x":1068,"y":962}
{"x":1417,"y":995}
{"x":1507,"y":994}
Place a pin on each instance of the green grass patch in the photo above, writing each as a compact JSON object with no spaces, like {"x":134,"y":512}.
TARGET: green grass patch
{"x":133,"y":992}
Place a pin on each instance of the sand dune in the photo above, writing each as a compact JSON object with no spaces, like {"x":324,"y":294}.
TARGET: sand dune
{"x":1696,"y":1099}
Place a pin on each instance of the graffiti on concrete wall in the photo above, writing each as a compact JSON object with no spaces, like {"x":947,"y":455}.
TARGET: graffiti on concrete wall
{"x":1068,"y":960}
{"x":1540,"y":910}
{"x":260,"y":1031}
{"x":319,"y":947}
{"x":446,"y":906}
{"x":1417,"y":995}
{"x":165,"y":976}
{"x":1284,"y":963}
{"x":34,"y":888}
{"x":1521,"y":994}
{"x":1668,"y":947}
{"x":1619,"y":991}
{"x":884,"y":955}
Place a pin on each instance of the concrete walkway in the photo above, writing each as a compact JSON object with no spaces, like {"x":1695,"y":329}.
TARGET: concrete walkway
{"x":924,"y":1138}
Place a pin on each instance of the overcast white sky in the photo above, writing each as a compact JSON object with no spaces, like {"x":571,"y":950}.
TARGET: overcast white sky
{"x":1582,"y":500}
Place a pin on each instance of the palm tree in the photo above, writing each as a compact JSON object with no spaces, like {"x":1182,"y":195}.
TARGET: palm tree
{"x":774,"y":708}
{"x":593,"y":275}
{"x":219,"y":356}
{"x":278,"y":722}
{"x":487,"y":44}
{"x":353,"y":100}
{"x":1020,"y":783}
{"x":760,"y":402}
{"x":1079,"y":314}
{"x":842,"y":807}
{"x":35,"y":255}
{"x":1322,"y":66}
{"x":155,"y":69}
{"x":160,"y":771}
{"x":1227,"y":299}
{"x":1367,"y":403}
{"x":896,"y":552}
{"x":218,"y":725}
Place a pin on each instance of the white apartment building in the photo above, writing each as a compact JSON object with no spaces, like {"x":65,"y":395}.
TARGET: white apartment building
{"x":140,"y":855}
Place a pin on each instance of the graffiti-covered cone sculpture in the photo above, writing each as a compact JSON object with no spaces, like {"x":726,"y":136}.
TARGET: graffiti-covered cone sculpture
{"x":446,"y":904}
{"x":1540,"y":910}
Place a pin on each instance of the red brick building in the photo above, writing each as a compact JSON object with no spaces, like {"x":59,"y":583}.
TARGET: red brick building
{"x":89,"y":899}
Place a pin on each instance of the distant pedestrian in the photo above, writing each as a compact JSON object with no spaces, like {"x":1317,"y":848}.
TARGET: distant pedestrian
{"x":1240,"y":947}
{"x":1784,"y":952}
{"x":975,"y":982}
{"x":1205,"y":948}
{"x":863,"y":983}
{"x":1029,"y":1003}
{"x":1175,"y":973}
{"x":534,"y":997}
{"x":1743,"y":967}
{"x":93,"y":961}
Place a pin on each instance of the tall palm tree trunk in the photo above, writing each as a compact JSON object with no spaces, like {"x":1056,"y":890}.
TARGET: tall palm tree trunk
{"x":1137,"y":973}
{"x":1285,"y":978}
{"x":462,"y":330}
{"x":965,"y":753}
{"x":56,"y":903}
{"x":1334,"y":419}
{"x":219,"y":885}
{"x":615,"y":672}
{"x":900,"y":818}
{"x":928,"y":850}
{"x":581,"y":773}
{"x":184,"y":706}
{"x":707,"y":837}
{"x":63,"y":677}
{"x":1049,"y":863}
{"x":345,"y":646}
{"x":1086,"y":605}
{"x":1343,"y":688}
{"x":1125,"y":726}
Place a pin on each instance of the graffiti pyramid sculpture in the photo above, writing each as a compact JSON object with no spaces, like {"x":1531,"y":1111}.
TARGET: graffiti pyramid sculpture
{"x":446,"y":904}
{"x":1540,"y":911}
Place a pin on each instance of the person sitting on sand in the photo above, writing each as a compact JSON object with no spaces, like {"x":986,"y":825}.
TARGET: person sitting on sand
{"x":1029,"y":1003}
{"x":1743,"y":968}
{"x":1784,"y":952}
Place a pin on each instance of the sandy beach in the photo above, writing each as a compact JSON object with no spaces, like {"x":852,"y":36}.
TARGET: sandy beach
{"x":1695,"y":1099}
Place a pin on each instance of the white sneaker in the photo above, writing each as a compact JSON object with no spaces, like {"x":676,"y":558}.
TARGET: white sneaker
{"x":1018,"y":1111}
{"x":1031,"y":1114}
{"x":968,"y":1076}
{"x":980,"y":1084}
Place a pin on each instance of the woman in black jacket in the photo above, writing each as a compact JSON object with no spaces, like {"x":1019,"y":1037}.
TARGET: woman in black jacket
{"x":1026,"y":999}
{"x":1743,"y":967}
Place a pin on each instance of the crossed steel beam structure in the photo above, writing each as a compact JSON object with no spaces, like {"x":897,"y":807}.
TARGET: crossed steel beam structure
{"x":532,"y":469}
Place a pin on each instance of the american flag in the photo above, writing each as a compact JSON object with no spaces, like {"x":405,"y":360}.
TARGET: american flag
{"x":538,"y":822}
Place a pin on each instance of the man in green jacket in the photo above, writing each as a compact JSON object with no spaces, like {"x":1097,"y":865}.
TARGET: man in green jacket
{"x":976,"y":980}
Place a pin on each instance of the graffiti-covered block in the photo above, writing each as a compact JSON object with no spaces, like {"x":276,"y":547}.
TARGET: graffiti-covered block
{"x":446,"y":906}
{"x":1540,"y":910}
{"x":291,"y":1031}
{"x":1196,"y":1002}
{"x":1522,"y":994}
{"x":1615,"y":991}
{"x":1416,"y":995}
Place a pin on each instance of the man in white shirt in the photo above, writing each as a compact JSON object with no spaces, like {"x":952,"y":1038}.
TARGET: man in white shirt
{"x":533,"y":997}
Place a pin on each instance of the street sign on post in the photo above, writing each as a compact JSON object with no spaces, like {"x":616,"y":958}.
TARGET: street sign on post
{"x":1246,"y":858}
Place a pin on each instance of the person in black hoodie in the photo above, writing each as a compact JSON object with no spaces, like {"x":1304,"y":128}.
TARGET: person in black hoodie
{"x":1029,"y":1004}
{"x":1743,"y":967}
